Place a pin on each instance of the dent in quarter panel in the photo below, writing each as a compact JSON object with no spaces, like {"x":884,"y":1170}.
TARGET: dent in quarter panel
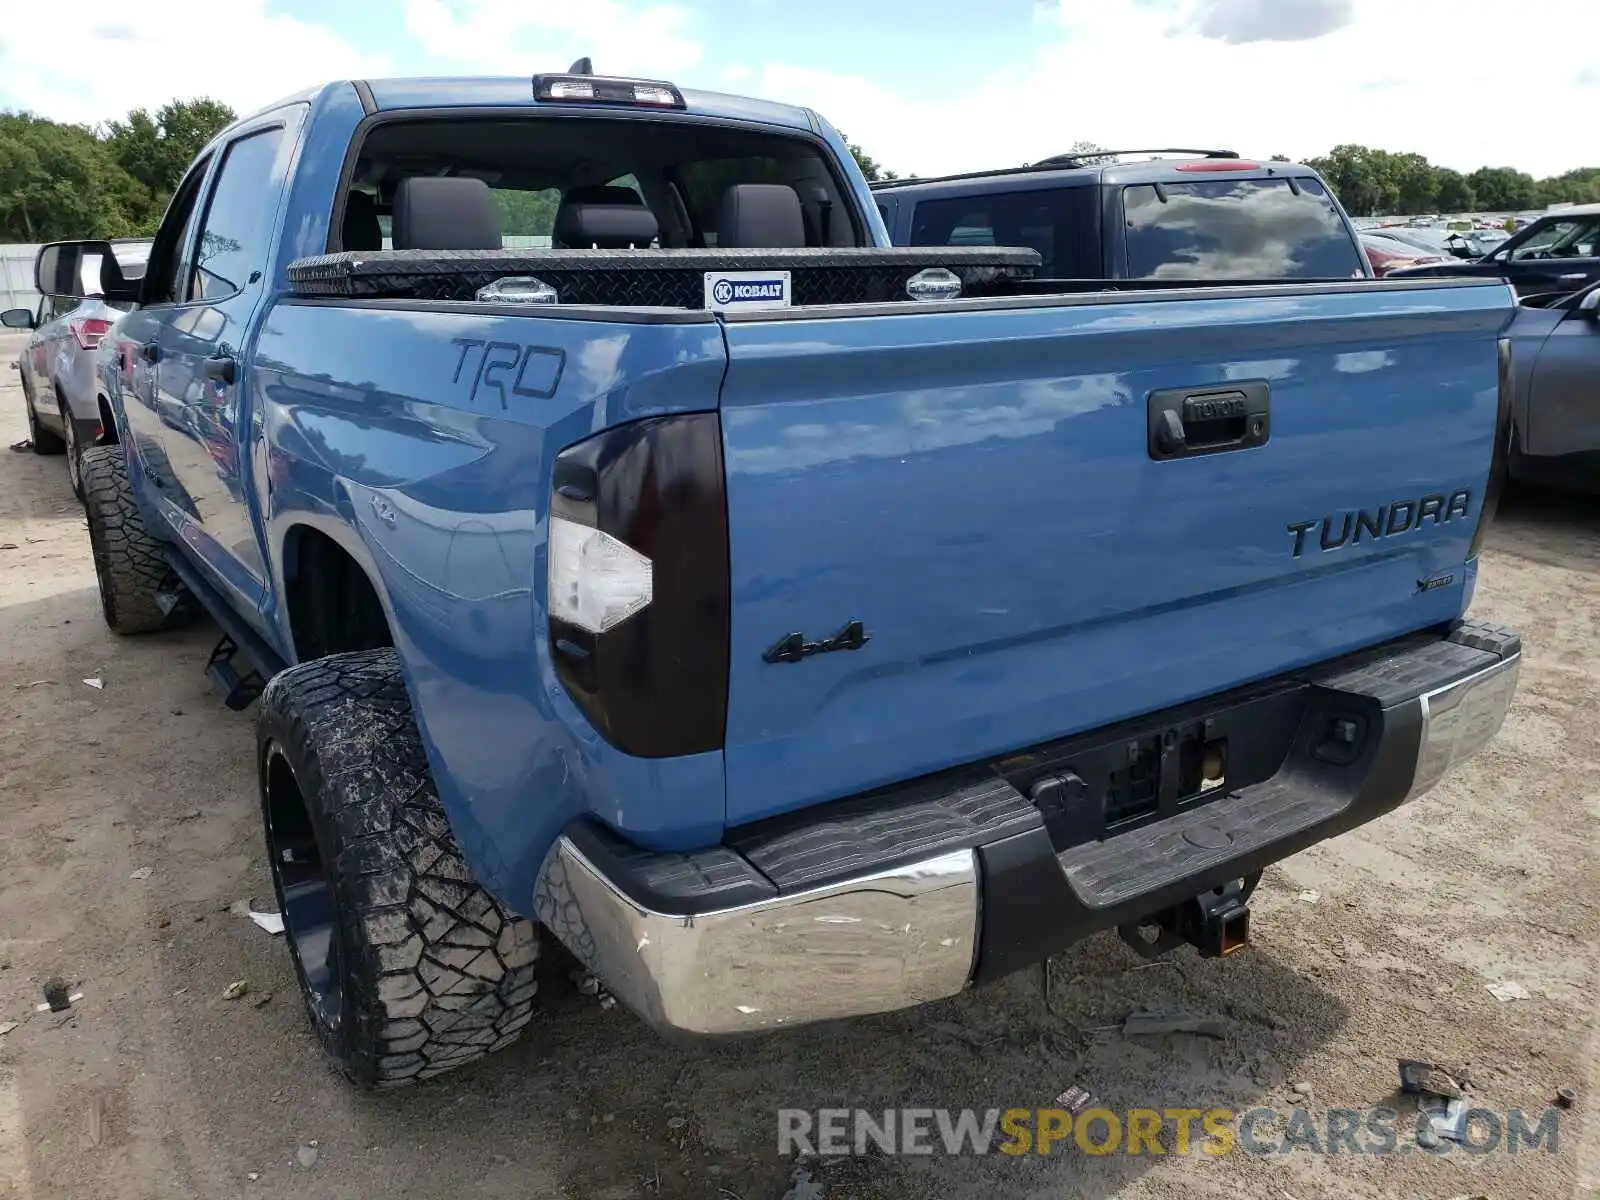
{"x":376,"y":425}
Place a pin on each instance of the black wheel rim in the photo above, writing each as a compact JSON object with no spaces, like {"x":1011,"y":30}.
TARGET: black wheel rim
{"x":305,"y":890}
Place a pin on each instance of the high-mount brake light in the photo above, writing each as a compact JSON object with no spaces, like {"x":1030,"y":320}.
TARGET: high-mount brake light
{"x":600,"y":89}
{"x":1211,"y":165}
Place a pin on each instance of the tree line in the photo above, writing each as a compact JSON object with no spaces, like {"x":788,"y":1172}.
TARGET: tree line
{"x":1373,"y":182}
{"x":71,"y":181}
{"x":114,"y":180}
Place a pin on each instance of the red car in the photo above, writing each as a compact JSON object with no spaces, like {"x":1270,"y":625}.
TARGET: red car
{"x":1387,"y":253}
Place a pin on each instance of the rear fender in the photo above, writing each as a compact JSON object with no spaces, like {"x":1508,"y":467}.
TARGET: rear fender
{"x":386,"y":429}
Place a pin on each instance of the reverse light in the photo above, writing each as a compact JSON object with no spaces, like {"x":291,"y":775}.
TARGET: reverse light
{"x":88,"y":331}
{"x":519,"y":289}
{"x":596,"y":582}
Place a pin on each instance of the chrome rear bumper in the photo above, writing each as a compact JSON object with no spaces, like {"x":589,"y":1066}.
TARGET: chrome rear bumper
{"x":870,"y":944}
{"x":998,"y":897}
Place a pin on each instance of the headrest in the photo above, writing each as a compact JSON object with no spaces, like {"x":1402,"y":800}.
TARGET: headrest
{"x":608,"y":218}
{"x":761,"y":215}
{"x":361,"y":230}
{"x":112,"y":282}
{"x":445,"y":213}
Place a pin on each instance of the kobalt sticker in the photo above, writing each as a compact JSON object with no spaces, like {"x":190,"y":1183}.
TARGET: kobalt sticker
{"x":743,"y":291}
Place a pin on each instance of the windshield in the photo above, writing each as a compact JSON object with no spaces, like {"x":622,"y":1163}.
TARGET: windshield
{"x":1412,"y":237}
{"x":1237,"y":229}
{"x":1569,"y":237}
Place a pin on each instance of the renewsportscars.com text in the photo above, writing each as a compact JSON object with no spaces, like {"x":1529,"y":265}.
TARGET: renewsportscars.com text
{"x":1099,"y":1131}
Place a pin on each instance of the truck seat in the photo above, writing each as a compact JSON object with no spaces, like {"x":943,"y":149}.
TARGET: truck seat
{"x":361,"y":230}
{"x":445,"y":213}
{"x":761,"y":215}
{"x":603,"y":218}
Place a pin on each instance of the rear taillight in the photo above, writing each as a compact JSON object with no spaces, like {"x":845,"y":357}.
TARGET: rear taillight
{"x":88,"y":331}
{"x":636,"y":571}
{"x":1500,"y":459}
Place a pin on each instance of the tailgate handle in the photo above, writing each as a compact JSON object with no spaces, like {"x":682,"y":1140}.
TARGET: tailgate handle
{"x":1185,"y":422}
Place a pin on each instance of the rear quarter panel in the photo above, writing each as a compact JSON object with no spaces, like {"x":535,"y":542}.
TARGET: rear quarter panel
{"x":384,"y":429}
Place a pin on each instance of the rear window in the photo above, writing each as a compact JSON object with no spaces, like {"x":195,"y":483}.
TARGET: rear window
{"x":679,"y":170}
{"x":1062,"y":224}
{"x":1237,"y":229}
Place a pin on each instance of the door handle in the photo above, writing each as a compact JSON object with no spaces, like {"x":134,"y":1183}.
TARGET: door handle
{"x":1575,"y":280}
{"x":150,"y":352}
{"x":1185,"y":422}
{"x":220,"y":367}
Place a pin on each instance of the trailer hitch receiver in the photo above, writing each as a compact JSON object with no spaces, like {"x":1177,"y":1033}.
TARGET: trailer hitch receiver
{"x":1217,"y":923}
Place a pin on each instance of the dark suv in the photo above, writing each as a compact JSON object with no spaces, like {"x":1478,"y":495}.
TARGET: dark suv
{"x":1209,"y":215}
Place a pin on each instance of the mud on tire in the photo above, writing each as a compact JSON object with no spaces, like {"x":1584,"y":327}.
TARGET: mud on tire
{"x":408,"y":967}
{"x":129,"y":564}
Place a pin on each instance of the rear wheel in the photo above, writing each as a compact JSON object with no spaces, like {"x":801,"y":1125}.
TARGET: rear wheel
{"x":129,"y":564}
{"x":407,"y":966}
{"x":74,"y":466}
{"x":44,"y":442}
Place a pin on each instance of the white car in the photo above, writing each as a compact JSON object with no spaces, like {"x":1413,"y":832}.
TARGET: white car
{"x":81,"y":297}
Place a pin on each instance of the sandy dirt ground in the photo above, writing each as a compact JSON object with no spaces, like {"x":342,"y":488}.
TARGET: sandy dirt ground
{"x":154,"y":1085}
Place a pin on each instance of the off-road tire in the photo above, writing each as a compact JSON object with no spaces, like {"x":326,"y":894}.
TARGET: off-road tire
{"x":129,"y":564}
{"x":431,"y":972}
{"x":44,"y":442}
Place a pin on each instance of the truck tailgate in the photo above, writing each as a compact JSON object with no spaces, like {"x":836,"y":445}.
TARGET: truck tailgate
{"x":976,"y":487}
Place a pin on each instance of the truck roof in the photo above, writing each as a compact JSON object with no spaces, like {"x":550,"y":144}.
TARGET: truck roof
{"x":511,"y":91}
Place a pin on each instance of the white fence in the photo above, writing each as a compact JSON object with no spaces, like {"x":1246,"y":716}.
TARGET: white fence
{"x":16,"y":276}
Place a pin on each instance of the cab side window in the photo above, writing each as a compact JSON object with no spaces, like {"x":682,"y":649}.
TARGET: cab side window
{"x":238,"y":221}
{"x":167,"y":274}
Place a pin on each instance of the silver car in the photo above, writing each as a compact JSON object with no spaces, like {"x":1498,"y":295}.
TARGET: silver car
{"x":81,"y":297}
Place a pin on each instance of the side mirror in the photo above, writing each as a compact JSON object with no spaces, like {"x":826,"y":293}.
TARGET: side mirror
{"x":17,"y":318}
{"x":78,"y":269}
{"x":1589,"y":305}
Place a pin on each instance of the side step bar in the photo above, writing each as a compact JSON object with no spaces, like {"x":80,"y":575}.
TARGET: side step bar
{"x":238,"y":689}
{"x":242,"y":662}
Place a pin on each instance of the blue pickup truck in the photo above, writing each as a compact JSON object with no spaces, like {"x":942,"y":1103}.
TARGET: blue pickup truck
{"x":627,"y":545}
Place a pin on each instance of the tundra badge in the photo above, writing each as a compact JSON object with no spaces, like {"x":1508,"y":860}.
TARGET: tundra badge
{"x":1387,"y":520}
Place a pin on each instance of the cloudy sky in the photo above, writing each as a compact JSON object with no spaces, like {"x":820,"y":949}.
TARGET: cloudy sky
{"x":926,"y":86}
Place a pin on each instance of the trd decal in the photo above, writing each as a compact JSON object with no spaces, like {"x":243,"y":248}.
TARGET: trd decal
{"x":506,"y":368}
{"x":1387,"y":520}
